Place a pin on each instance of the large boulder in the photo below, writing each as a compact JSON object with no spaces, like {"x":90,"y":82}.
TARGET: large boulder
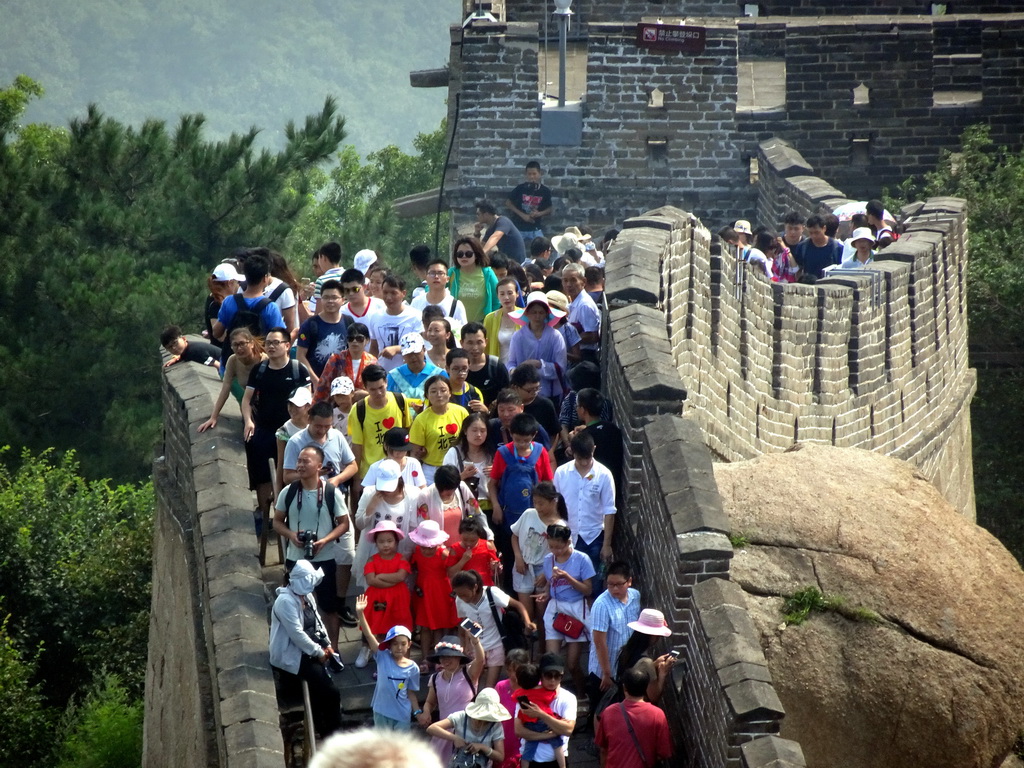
{"x":938,"y":680}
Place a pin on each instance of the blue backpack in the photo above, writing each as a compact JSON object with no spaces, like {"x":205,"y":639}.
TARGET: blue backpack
{"x":516,"y":492}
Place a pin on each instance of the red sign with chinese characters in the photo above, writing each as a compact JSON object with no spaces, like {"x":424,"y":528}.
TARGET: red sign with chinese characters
{"x":671,"y":37}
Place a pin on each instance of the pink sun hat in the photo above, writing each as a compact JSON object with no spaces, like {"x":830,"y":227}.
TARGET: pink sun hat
{"x":386,"y":526}
{"x":651,"y":622}
{"x":428,"y":534}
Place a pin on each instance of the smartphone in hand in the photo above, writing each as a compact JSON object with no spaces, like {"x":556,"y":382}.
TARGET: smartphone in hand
{"x":472,"y":627}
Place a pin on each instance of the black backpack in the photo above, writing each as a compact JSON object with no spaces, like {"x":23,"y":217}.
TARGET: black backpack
{"x":250,"y":317}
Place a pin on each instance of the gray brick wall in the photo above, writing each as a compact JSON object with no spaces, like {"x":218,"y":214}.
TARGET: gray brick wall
{"x":210,"y":696}
{"x":903,"y":59}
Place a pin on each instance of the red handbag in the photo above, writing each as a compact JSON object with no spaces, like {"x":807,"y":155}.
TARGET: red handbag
{"x":567,"y":625}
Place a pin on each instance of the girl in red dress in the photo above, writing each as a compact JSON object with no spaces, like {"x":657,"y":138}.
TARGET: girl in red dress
{"x":387,"y":596}
{"x":432,"y":603}
{"x":474,"y":553}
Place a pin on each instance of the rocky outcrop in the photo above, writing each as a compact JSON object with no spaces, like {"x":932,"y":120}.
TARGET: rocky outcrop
{"x":932,"y":672}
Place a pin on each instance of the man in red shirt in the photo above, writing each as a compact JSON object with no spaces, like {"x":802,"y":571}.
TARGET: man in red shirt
{"x":633,"y":734}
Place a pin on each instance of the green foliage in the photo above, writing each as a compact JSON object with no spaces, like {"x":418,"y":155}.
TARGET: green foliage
{"x":76,"y":570}
{"x":991,"y":179}
{"x":799,"y":606}
{"x":14,"y":101}
{"x":107,"y":234}
{"x":739,"y":540}
{"x":353,"y":203}
{"x":25,"y":720}
{"x":104,"y":731}
{"x":999,"y":455}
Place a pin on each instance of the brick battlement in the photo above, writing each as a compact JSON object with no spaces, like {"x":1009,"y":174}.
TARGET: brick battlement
{"x":927,"y":78}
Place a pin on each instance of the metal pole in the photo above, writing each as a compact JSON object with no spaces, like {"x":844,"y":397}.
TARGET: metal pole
{"x":563,"y":27}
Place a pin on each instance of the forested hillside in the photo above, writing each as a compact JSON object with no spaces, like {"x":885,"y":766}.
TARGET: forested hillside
{"x":241,"y":64}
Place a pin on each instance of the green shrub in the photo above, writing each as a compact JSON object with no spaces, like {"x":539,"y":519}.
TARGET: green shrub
{"x":25,"y":721}
{"x":104,"y":731}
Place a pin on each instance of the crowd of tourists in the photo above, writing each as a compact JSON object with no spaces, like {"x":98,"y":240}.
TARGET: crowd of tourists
{"x":443,"y":465}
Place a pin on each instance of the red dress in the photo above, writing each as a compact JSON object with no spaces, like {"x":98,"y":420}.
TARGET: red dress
{"x":435,"y":609}
{"x":395,"y":599}
{"x":483,"y":557}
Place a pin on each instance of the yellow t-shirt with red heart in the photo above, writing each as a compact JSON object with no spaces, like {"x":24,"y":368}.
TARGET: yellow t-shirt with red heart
{"x":369,"y":432}
{"x":437,"y":432}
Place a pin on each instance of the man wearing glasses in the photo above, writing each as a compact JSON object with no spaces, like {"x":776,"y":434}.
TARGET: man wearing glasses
{"x":561,"y":722}
{"x":265,"y":409}
{"x":610,"y":615}
{"x":437,"y":293}
{"x":324,"y":334}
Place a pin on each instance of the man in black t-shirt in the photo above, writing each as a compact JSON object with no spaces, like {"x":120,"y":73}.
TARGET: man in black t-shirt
{"x":265,"y":409}
{"x":185,"y":351}
{"x":529,"y":203}
{"x":486,"y":372}
{"x":526,"y":383}
{"x":818,"y":250}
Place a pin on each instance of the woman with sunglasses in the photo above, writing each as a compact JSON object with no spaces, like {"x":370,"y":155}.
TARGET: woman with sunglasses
{"x":350,"y":362}
{"x":473,"y":282}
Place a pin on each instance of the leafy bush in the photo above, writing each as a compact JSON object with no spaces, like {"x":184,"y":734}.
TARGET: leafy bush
{"x":104,"y":731}
{"x":25,"y":720}
{"x":76,"y":568}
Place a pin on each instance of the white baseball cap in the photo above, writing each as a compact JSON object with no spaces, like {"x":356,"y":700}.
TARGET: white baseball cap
{"x":342,"y":386}
{"x":388,"y":475}
{"x":226,"y":271}
{"x":301,"y":397}
{"x":364,"y":259}
{"x":413,"y":342}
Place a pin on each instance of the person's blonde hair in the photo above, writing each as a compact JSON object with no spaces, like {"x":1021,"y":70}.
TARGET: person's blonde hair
{"x":372,"y":748}
{"x":246,"y":334}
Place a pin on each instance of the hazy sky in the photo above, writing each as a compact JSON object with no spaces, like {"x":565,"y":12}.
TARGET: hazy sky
{"x":261,"y":62}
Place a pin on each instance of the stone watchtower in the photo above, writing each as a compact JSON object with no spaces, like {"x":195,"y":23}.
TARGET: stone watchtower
{"x":670,"y":100}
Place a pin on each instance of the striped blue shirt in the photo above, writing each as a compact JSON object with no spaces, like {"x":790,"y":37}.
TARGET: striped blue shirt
{"x":610,"y":616}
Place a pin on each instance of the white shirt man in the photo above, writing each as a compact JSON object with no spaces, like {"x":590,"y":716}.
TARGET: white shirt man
{"x":584,"y":315}
{"x":388,"y":327}
{"x":589,"y":492}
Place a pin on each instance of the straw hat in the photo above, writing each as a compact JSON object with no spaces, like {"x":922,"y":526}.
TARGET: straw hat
{"x":558,"y":300}
{"x":651,"y":622}
{"x":487,"y":707}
